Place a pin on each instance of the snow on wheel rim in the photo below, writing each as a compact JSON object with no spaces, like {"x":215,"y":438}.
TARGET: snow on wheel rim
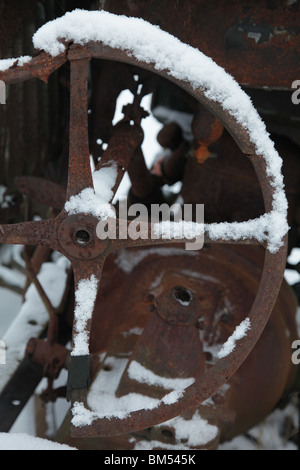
{"x":179,"y":61}
{"x":149,"y":44}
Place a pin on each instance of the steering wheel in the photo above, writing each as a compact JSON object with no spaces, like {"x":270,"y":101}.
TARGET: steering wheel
{"x":73,"y":232}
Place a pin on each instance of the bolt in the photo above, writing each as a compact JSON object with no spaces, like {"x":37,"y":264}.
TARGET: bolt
{"x":82,"y":237}
{"x":183,"y":295}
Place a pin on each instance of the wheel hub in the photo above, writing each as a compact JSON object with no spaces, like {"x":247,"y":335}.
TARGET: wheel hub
{"x":78,"y":239}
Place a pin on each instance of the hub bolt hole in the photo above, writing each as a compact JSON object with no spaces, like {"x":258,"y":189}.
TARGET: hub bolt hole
{"x":183,"y":295}
{"x":82,"y":237}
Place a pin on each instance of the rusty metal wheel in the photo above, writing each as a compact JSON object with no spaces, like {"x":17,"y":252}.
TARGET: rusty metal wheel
{"x":74,"y":234}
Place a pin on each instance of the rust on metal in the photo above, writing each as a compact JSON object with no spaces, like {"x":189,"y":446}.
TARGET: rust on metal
{"x":258,"y":44}
{"x":52,"y":194}
{"x":53,"y":357}
{"x":79,"y":172}
{"x":41,"y":66}
{"x":175,"y":309}
{"x":78,"y":239}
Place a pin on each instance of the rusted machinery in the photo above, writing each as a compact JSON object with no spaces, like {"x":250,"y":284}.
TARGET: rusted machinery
{"x":161,"y":310}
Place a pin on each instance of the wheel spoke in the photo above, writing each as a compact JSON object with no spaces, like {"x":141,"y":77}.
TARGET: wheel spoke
{"x":40,"y":66}
{"x":87,"y":276}
{"x":144,"y":234}
{"x":40,"y":232}
{"x":79,"y":175}
{"x":52,"y":194}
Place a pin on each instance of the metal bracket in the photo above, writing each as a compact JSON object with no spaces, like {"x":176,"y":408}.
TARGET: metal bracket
{"x":78,"y":374}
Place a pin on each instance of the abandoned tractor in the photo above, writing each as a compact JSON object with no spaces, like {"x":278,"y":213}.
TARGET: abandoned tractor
{"x":162,"y":334}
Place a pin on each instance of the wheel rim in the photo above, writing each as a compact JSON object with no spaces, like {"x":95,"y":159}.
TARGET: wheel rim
{"x":87,"y":268}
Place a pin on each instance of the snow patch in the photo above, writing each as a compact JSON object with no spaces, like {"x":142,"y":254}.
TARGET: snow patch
{"x":12,"y":277}
{"x":238,"y":334}
{"x":127,"y":260}
{"x":195,"y":432}
{"x":7,"y":63}
{"x":104,"y":403}
{"x":177,"y":230}
{"x":96,"y":201}
{"x":139,"y":373}
{"x":102,"y":398}
{"x":133,"y":331}
{"x":33,"y":316}
{"x":85,"y":296}
{"x":23,"y":441}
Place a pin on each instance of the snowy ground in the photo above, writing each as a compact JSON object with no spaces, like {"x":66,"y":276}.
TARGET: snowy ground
{"x":266,"y":436}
